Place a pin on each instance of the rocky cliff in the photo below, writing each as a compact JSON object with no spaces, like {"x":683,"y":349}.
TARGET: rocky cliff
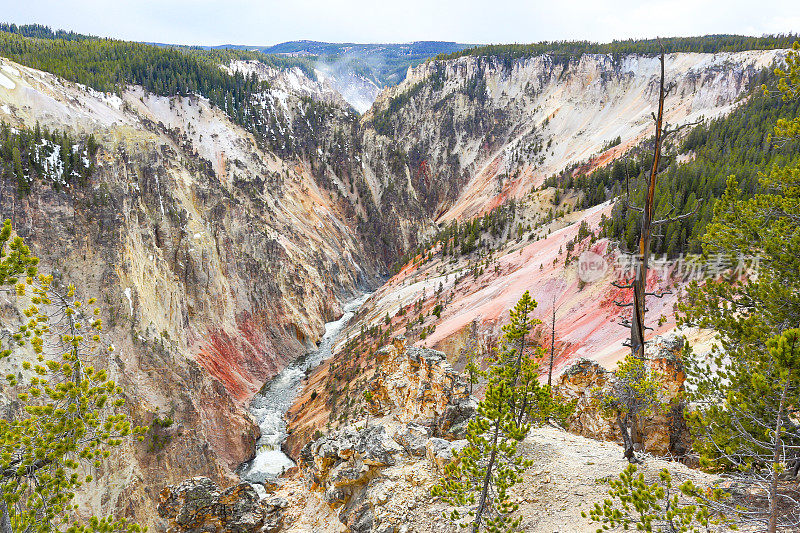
{"x":357,"y":494}
{"x":219,"y":255}
{"x":662,"y":433}
{"x":459,"y":137}
{"x":397,"y":382}
{"x":216,"y":262}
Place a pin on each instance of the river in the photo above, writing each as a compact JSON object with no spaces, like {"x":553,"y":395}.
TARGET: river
{"x":271,"y":404}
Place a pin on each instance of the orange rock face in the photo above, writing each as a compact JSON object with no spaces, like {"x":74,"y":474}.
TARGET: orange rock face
{"x":415,"y":384}
{"x":662,"y":433}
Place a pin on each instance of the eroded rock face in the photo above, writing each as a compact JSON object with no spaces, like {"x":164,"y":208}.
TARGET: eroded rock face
{"x":215,"y":261}
{"x":199,"y":505}
{"x":344,"y":460}
{"x":419,"y":385}
{"x":662,"y":433}
{"x":352,"y":468}
{"x":343,"y":463}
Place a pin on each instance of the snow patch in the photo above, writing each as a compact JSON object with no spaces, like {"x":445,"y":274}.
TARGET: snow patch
{"x":127,"y":293}
{"x":5,"y":109}
{"x":109,"y":99}
{"x":282,"y":97}
{"x":7,"y":83}
{"x":10,"y":70}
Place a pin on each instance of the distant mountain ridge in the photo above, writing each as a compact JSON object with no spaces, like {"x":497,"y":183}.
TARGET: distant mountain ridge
{"x":359,"y":71}
{"x":384,"y":63}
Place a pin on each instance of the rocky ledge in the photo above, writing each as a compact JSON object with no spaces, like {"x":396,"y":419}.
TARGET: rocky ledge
{"x":350,"y":466}
{"x":419,"y":385}
{"x":406,"y":384}
{"x":663,"y":433}
{"x":420,"y":407}
{"x":199,"y":505}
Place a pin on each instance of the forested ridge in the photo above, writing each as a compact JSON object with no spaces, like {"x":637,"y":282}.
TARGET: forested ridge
{"x":708,"y":44}
{"x":110,"y":65}
{"x":739,"y":144}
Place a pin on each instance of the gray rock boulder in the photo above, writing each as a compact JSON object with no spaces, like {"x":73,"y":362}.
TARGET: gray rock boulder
{"x":440,"y":452}
{"x":412,"y":438}
{"x":198,"y":505}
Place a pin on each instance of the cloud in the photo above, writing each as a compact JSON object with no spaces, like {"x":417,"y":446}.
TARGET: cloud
{"x":262,"y":22}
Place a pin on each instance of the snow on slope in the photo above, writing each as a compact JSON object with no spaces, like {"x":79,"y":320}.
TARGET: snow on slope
{"x":541,"y":114}
{"x":589,"y":110}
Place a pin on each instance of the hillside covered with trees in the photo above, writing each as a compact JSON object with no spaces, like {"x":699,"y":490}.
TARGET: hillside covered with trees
{"x":707,"y":44}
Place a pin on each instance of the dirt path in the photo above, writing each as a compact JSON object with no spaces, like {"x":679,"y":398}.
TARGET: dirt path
{"x":568,"y":476}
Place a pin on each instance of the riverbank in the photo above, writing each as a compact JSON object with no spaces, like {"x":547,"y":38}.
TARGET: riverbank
{"x":269,"y":406}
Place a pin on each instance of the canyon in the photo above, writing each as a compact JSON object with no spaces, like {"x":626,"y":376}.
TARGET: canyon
{"x":218,"y":257}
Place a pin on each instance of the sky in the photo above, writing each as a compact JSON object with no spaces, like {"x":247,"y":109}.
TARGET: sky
{"x":265,"y":22}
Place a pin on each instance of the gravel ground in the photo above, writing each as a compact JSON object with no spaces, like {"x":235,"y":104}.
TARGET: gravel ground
{"x":568,"y":476}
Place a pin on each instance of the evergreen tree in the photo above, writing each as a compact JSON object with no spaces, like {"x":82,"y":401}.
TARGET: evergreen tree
{"x":472,"y":354}
{"x":514,"y":342}
{"x":746,"y":391}
{"x":71,"y":414}
{"x":19,"y":173}
{"x":634,"y":393}
{"x":480,"y":476}
{"x":657,"y":506}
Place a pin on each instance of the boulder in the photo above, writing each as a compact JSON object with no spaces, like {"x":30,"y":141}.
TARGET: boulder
{"x":453,"y":423}
{"x":440,"y":452}
{"x":198,"y":505}
{"x":412,"y":438}
{"x":341,"y":462}
{"x":663,"y":433}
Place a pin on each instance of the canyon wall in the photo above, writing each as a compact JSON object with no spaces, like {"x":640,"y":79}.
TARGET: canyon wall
{"x":470,"y":133}
{"x":215,"y":262}
{"x":217,"y":256}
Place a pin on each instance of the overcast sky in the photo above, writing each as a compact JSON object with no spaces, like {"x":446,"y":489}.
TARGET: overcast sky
{"x":264,"y":22}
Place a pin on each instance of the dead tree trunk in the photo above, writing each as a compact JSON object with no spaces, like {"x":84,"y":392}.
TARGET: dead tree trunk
{"x":5,"y":520}
{"x":640,"y":283}
{"x":777,"y":448}
{"x":552,"y":345}
{"x":627,"y":441}
{"x":639,"y":280}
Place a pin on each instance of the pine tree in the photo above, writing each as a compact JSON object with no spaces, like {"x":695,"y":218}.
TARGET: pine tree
{"x":480,"y":476}
{"x":472,"y":353}
{"x":71,"y":414}
{"x":656,"y":506}
{"x":19,"y":173}
{"x":515,"y":345}
{"x":747,"y":391}
{"x":634,"y":393}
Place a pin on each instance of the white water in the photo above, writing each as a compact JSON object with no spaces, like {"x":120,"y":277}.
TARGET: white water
{"x":269,"y":406}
